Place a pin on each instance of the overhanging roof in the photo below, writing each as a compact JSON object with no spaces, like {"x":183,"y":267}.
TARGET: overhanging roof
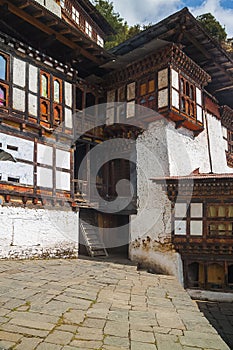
{"x":96,"y":16}
{"x":32,"y":23}
{"x":183,"y":28}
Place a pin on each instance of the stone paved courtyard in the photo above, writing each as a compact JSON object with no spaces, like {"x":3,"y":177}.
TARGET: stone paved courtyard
{"x":84,"y":304}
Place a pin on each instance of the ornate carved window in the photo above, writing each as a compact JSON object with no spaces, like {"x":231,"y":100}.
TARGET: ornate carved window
{"x":220,"y":219}
{"x":187,"y":98}
{"x":45,"y":96}
{"x":50,"y":98}
{"x":4,"y":80}
{"x":147,"y":93}
{"x":57,"y":101}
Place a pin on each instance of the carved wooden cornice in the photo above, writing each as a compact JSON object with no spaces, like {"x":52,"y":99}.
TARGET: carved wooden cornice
{"x":206,"y":188}
{"x":227,"y":117}
{"x":171,"y":55}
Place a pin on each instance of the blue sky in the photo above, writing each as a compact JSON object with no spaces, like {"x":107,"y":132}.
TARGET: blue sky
{"x":151,"y":11}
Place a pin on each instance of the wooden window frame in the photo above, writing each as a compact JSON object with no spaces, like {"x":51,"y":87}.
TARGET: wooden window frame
{"x":5,"y":83}
{"x":219,"y":220}
{"x":88,"y":29}
{"x":46,"y":117}
{"x":50,"y":102}
{"x":230,"y":141}
{"x":57,"y":104}
{"x":188,"y":219}
{"x":187,"y":102}
{"x":75,"y":15}
{"x":100,"y":41}
{"x":147,"y":99}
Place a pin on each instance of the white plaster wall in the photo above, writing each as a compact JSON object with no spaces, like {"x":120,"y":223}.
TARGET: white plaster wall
{"x":217,"y":146}
{"x":186,"y":152}
{"x":62,"y":159}
{"x":44,"y":177}
{"x":19,"y":72}
{"x":153,"y":220}
{"x":164,"y":151}
{"x":19,"y":99}
{"x":25,"y":147}
{"x":51,"y":5}
{"x":25,"y":152}
{"x":33,"y":78}
{"x":159,"y":261}
{"x":68,"y":94}
{"x":68,"y":118}
{"x":28,"y":233}
{"x":62,"y":181}
{"x":152,"y":161}
{"x":32,"y":104}
{"x":19,"y":170}
{"x":44,"y":154}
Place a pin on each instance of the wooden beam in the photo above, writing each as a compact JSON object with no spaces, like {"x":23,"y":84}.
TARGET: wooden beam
{"x":52,"y":23}
{"x":24,"y":5}
{"x":46,"y":43}
{"x":207,"y":54}
{"x":39,"y":14}
{"x":44,"y":28}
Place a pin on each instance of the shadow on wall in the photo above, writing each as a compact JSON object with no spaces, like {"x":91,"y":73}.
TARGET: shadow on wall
{"x":220,"y":316}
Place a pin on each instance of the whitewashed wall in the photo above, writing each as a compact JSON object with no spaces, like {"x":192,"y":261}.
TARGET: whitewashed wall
{"x":51,"y":5}
{"x":25,"y":150}
{"x":217,"y":145}
{"x":187,"y":153}
{"x":34,"y":233}
{"x":164,"y":151}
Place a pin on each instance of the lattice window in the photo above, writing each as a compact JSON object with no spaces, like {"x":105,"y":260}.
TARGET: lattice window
{"x":220,"y":219}
{"x":100,"y":41}
{"x":50,"y":97}
{"x":88,"y":29}
{"x":187,"y":98}
{"x":75,"y":15}
{"x":188,"y":220}
{"x":147,"y":93}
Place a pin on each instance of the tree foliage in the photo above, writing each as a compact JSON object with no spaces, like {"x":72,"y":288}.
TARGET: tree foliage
{"x":121,"y":27}
{"x":124,"y":31}
{"x":213,"y":26}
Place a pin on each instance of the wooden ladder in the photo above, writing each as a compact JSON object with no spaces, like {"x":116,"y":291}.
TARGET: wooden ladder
{"x":94,"y":244}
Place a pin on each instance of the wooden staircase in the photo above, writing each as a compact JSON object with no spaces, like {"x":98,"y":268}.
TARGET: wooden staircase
{"x":90,"y":234}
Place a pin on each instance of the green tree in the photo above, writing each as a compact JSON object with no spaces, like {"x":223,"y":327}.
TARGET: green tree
{"x":213,"y":26}
{"x":121,"y":27}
